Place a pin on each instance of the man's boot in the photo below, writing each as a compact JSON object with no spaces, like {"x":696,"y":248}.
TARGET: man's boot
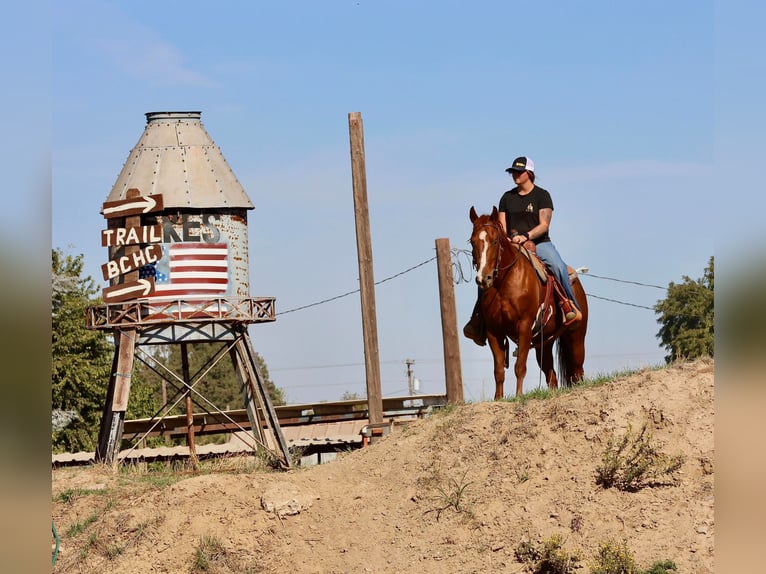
{"x":571,"y":312}
{"x":475,"y":330}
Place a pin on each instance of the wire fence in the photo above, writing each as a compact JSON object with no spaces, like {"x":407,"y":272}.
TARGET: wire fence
{"x":462,"y":272}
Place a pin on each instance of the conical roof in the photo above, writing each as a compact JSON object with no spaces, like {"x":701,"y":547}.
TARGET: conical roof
{"x":177,"y":158}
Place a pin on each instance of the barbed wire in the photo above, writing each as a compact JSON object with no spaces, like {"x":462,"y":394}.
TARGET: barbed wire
{"x":589,"y":274}
{"x":357,"y":290}
{"x":591,"y":295}
{"x":462,"y":259}
{"x":458,"y":275}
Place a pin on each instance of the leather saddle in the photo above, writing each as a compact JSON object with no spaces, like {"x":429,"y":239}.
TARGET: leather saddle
{"x":548,"y":305}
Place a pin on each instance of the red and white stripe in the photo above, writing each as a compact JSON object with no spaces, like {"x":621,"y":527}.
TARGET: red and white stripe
{"x":196,"y":269}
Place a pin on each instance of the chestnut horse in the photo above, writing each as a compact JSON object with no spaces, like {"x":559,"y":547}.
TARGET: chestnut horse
{"x":512,"y":298}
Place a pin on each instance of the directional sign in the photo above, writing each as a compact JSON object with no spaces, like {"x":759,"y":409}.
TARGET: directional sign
{"x":132,"y":206}
{"x":132,"y":261}
{"x":131,"y":235}
{"x":127,"y":291}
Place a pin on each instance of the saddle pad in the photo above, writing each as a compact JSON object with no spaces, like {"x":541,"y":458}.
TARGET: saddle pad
{"x":541,"y":269}
{"x":537,"y":263}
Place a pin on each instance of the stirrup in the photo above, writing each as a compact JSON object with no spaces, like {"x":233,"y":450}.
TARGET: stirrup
{"x":573,"y":315}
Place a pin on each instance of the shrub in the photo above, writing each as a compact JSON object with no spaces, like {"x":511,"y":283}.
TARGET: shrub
{"x":549,"y":557}
{"x":633,"y":462}
{"x":614,"y":558}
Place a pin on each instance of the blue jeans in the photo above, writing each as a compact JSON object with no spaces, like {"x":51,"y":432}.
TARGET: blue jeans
{"x":547,"y":252}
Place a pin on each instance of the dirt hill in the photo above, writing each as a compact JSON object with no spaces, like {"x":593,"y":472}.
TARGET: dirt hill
{"x":458,"y":492}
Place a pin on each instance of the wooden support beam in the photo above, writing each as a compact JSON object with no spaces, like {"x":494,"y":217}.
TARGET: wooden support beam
{"x":366,"y":276}
{"x":452,"y":367}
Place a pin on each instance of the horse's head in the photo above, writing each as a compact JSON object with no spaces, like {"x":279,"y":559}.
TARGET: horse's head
{"x":486,"y":244}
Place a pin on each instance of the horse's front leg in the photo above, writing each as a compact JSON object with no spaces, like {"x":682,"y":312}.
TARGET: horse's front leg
{"x":520,"y":367}
{"x":498,"y":356}
{"x":544,"y":356}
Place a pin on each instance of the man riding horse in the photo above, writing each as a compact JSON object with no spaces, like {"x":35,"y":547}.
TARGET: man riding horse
{"x":525,"y":214}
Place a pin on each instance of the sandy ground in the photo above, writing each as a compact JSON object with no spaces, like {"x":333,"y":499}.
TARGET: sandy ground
{"x":457,"y":492}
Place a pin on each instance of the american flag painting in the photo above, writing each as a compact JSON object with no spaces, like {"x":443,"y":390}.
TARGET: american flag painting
{"x":190,"y":270}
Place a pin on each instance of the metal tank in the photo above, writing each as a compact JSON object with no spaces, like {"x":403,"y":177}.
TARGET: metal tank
{"x":204,"y":216}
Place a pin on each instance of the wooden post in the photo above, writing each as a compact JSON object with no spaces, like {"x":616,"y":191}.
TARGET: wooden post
{"x":366,"y":280}
{"x":189,"y":406}
{"x":452,"y":368}
{"x":118,"y":390}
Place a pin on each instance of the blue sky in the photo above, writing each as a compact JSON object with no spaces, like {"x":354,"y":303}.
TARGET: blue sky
{"x":619,"y":105}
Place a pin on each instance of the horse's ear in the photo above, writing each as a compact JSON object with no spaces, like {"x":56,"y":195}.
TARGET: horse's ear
{"x":494,"y":213}
{"x":473,"y":215}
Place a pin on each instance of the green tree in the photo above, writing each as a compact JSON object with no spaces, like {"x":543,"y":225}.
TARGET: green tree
{"x":686,"y":316}
{"x":81,"y":358}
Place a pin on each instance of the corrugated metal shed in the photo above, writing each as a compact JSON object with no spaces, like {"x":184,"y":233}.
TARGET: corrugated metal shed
{"x":177,"y":158}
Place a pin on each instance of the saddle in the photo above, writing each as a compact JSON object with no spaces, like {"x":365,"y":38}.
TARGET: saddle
{"x":528,"y":250}
{"x":548,"y":305}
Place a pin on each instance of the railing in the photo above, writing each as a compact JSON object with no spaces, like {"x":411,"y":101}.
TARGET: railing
{"x":288,"y":415}
{"x":150,"y":312}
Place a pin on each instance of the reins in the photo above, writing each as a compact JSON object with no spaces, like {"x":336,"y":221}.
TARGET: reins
{"x":497,"y":269}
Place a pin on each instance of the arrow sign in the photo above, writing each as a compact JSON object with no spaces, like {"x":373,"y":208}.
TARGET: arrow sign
{"x":120,"y":236}
{"x":126,"y":291}
{"x":132,"y":206}
{"x":132,"y":261}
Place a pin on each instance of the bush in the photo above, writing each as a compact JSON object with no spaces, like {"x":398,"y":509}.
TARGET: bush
{"x":614,"y":558}
{"x":547,"y":558}
{"x":632,"y":462}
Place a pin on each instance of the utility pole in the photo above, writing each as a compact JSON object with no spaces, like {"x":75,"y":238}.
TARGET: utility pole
{"x":366,"y":280}
{"x":410,"y":381}
{"x":452,"y":367}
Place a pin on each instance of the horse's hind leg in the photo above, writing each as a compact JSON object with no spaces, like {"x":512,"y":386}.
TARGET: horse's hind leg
{"x":544,"y":356}
{"x":575,"y":356}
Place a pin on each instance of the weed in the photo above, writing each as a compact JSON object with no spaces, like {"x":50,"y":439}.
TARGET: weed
{"x":113,"y":551}
{"x":451,"y":496}
{"x":79,"y":527}
{"x":71,"y":494}
{"x":522,"y":475}
{"x":632,"y":462}
{"x":614,"y":558}
{"x":209,"y":552}
{"x":661,"y":567}
{"x":549,"y":557}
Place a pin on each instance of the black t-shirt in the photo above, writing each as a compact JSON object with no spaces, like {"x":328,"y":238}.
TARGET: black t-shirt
{"x":522,"y":212}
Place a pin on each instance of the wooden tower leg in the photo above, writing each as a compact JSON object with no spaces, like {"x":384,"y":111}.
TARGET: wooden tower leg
{"x":256,"y":394}
{"x":189,"y":406}
{"x":118,"y":391}
{"x":251,"y":406}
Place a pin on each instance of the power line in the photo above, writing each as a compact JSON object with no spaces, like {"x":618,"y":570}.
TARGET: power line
{"x":461,"y":276}
{"x":620,"y":302}
{"x":589,"y":274}
{"x":357,"y":290}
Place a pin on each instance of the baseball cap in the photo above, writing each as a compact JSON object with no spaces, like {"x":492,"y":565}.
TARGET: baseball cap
{"x":522,"y":163}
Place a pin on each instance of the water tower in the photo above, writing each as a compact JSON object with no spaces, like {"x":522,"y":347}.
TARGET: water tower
{"x":178,"y":273}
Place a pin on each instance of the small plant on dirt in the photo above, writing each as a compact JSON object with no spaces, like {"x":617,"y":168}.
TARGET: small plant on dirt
{"x":548,"y":557}
{"x":614,"y":558}
{"x":633,"y":462}
{"x":209,"y":552}
{"x":661,"y":567}
{"x":451,"y":496}
{"x":71,"y":494}
{"x":113,"y":551}
{"x":79,"y":527}
{"x":522,"y":474}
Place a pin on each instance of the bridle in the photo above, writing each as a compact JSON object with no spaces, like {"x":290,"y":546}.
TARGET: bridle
{"x":499,"y":241}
